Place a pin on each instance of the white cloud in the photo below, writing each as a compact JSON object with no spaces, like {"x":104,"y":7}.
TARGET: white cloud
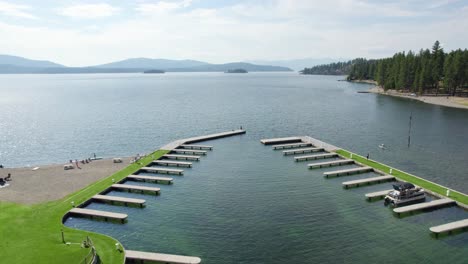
{"x":15,"y":10}
{"x":161,"y":7}
{"x":89,"y":11}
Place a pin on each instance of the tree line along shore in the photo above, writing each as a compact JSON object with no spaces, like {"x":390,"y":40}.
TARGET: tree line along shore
{"x":429,"y":72}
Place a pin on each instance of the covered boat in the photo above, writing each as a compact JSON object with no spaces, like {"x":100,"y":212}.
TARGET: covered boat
{"x":404,"y":193}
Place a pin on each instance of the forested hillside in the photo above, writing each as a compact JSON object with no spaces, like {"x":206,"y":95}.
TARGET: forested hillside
{"x":426,"y":72}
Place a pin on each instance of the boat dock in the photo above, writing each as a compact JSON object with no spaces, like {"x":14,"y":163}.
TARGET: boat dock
{"x":330,"y":163}
{"x":368,"y":181}
{"x":124,"y":200}
{"x":163,"y":170}
{"x":292,"y":145}
{"x":173,"y":163}
{"x":97,"y":213}
{"x":348,"y":171}
{"x":302,"y":150}
{"x":160,"y":258}
{"x":150,"y":178}
{"x":190,"y":151}
{"x":316,"y":156}
{"x":142,"y":189}
{"x":462,"y":224}
{"x":181,"y":157}
{"x":285,"y":140}
{"x":175,"y":144}
{"x":196,"y":147}
{"x":421,"y":206}
{"x":379,"y":194}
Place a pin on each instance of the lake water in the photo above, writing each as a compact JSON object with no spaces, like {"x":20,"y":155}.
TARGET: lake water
{"x":244,"y":202}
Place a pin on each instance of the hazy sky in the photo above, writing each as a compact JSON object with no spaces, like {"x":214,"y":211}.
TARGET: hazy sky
{"x":82,"y":32}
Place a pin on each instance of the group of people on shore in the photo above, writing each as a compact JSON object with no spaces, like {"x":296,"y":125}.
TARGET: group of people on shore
{"x":84,"y":161}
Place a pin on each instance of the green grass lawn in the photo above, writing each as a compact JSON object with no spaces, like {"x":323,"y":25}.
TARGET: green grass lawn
{"x":457,"y":196}
{"x":32,"y":233}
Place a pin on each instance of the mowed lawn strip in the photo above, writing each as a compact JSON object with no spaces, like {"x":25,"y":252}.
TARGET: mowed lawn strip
{"x":455,"y":195}
{"x":32,"y":233}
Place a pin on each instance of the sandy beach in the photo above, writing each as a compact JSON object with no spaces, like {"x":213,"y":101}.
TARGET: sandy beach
{"x":451,"y":101}
{"x":52,"y":182}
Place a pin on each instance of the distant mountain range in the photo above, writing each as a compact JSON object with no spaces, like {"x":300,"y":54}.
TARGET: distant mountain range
{"x":14,"y":64}
{"x":298,"y":64}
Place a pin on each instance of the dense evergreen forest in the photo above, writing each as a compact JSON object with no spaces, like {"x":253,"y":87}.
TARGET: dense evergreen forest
{"x":427,"y":72}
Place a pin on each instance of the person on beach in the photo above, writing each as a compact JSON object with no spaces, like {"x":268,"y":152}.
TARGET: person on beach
{"x":76,"y":163}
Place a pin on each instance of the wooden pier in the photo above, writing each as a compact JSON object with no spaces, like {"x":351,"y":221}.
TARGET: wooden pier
{"x":379,"y":194}
{"x":160,"y":258}
{"x":348,"y":171}
{"x":421,"y":206}
{"x":316,"y":156}
{"x":163,"y":170}
{"x":190,"y":151}
{"x":462,"y":224}
{"x":368,"y":181}
{"x":196,"y":147}
{"x":285,"y":140}
{"x":97,"y":213}
{"x":173,"y":163}
{"x":302,"y":150}
{"x":181,"y":157}
{"x":142,"y":189}
{"x":126,"y":201}
{"x":150,"y":178}
{"x":330,"y":163}
{"x":292,"y":145}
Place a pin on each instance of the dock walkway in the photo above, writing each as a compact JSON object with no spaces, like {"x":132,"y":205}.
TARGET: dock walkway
{"x":330,"y":163}
{"x":150,"y":178}
{"x":285,"y":140}
{"x":160,"y":258}
{"x":378,"y":194}
{"x":187,"y":141}
{"x":119,"y":199}
{"x":301,"y":150}
{"x":162,"y":170}
{"x":196,"y":147}
{"x":181,"y":157}
{"x":378,"y":179}
{"x":421,"y":206}
{"x":462,"y":224}
{"x":190,"y":151}
{"x":136,"y":188}
{"x":292,"y":145}
{"x":348,"y":171}
{"x":97,"y":213}
{"x":173,"y":163}
{"x":316,"y":156}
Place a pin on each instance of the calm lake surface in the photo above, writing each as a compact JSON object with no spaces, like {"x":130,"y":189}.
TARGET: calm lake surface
{"x":244,"y":202}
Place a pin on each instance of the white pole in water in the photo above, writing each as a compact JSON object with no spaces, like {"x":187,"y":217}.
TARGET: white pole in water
{"x":448,"y":193}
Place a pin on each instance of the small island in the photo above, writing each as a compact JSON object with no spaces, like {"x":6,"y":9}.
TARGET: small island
{"x":154,"y":71}
{"x":236,"y":71}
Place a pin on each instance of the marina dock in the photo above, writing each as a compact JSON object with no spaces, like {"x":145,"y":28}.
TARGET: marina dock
{"x":173,"y":163}
{"x":142,"y":189}
{"x":160,"y":258}
{"x":302,"y":150}
{"x":97,"y":213}
{"x":124,"y":200}
{"x":348,"y":171}
{"x":330,"y":163}
{"x":462,"y":224}
{"x":150,"y":178}
{"x":181,"y":157}
{"x":163,"y":170}
{"x":421,"y":206}
{"x":285,"y":140}
{"x":378,"y":179}
{"x":316,"y":156}
{"x":187,"y":141}
{"x":379,"y":194}
{"x":189,"y":151}
{"x":292,"y":145}
{"x":196,"y":147}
